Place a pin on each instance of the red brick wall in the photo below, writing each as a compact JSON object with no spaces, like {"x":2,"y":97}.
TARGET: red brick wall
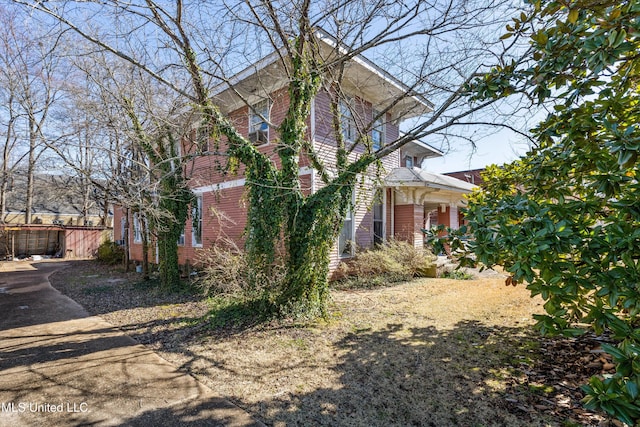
{"x":443,"y":217}
{"x":206,"y":170}
{"x":409,"y":220}
{"x":224,"y":212}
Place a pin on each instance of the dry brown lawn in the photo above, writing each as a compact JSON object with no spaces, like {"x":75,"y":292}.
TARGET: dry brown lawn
{"x":430,"y":352}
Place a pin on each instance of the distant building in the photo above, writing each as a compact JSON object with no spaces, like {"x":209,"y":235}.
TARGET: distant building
{"x":472,"y":176}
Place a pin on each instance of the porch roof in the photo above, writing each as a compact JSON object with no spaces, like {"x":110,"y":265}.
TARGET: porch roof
{"x":414,"y":177}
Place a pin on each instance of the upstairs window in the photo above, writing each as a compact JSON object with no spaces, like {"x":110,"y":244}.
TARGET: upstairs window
{"x":258,"y":123}
{"x":377,"y":131}
{"x":347,"y":122}
{"x":408,"y":162}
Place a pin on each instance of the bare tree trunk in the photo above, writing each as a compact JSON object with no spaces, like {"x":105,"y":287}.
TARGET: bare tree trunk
{"x":105,"y":212}
{"x":30,"y":171}
{"x":144,"y":228}
{"x":6,"y":170}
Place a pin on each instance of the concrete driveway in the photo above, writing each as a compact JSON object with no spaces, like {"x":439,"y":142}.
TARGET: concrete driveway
{"x":61,"y":367}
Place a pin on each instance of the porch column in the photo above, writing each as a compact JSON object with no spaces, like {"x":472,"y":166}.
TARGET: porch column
{"x":453,"y":217}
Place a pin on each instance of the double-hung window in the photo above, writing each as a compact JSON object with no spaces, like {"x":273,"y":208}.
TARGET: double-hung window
{"x":347,"y":122}
{"x":137,"y":229}
{"x":408,"y":161}
{"x":378,"y":219}
{"x":259,"y":123}
{"x":377,"y":131}
{"x":346,"y":244}
{"x":196,"y":218}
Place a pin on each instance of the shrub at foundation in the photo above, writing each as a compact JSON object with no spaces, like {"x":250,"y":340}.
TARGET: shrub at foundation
{"x":392,"y":262}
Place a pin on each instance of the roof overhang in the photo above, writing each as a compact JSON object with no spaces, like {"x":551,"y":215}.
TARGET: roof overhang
{"x":421,"y":150}
{"x":361,"y":78}
{"x":412,"y":177}
{"x":415,"y":186}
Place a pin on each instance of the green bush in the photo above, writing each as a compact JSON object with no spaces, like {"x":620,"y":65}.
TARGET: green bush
{"x":394,"y":261}
{"x":110,"y":253}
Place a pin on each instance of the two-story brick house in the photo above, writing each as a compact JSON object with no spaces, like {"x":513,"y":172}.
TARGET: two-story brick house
{"x":256,"y":100}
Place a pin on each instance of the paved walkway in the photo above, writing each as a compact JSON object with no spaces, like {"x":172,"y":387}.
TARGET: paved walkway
{"x":61,"y":367}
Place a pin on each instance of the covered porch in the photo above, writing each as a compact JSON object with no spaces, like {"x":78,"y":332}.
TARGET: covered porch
{"x":422,"y":199}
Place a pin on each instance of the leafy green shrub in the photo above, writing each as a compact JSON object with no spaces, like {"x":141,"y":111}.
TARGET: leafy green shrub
{"x":110,"y":253}
{"x":394,"y":261}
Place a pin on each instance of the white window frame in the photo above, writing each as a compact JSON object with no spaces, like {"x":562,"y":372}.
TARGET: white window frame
{"x":346,"y":239}
{"x":408,"y":162}
{"x":137,"y":229}
{"x":259,"y":122}
{"x":378,"y":127}
{"x":196,"y":218}
{"x":347,"y":122}
{"x":123,"y":225}
{"x":379,"y":201}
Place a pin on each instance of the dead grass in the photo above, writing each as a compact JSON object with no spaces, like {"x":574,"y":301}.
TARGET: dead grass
{"x":430,"y":352}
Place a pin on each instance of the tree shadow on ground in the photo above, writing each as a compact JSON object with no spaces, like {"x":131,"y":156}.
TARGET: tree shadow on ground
{"x":470,"y":375}
{"x":417,"y":377}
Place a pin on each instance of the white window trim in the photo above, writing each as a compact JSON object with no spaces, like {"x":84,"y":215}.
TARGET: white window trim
{"x":123,"y":230}
{"x":352,"y":252}
{"x":264,"y":120}
{"x":382,"y":127}
{"x":137,"y":229}
{"x":200,"y":207}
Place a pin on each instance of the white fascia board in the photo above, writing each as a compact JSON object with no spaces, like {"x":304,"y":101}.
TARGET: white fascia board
{"x":424,"y":145}
{"x":247,"y":72}
{"x":237,"y":183}
{"x":219,"y":186}
{"x":373,"y":68}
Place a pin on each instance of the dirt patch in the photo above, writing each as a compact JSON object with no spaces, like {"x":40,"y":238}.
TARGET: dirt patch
{"x":431,"y":352}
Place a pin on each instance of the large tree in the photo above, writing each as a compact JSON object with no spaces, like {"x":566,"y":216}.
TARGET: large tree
{"x":126,"y":134}
{"x":436,"y":47}
{"x":29,"y":87}
{"x":565,"y":219}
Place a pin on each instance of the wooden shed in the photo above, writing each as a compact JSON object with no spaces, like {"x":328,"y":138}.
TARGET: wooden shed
{"x":24,"y":240}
